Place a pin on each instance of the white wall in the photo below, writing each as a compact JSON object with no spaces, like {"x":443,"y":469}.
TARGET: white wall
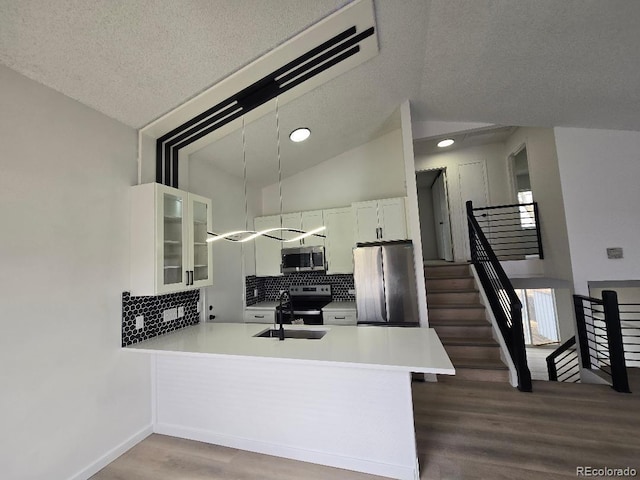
{"x":227,"y":195}
{"x":498,"y":185}
{"x":370,"y":171}
{"x":547,"y":191}
{"x":599,"y":173}
{"x":69,"y":393}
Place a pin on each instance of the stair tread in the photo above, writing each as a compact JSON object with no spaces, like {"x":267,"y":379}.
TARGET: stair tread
{"x":450,"y":277}
{"x":478,"y":363}
{"x":459,"y":322}
{"x":469,"y":341}
{"x":449,"y":264}
{"x":465,"y":306}
{"x":466,"y":290}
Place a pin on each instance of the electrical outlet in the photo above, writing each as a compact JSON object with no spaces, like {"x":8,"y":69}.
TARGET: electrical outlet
{"x":351,"y":291}
{"x":180,"y":312}
{"x":255,"y":292}
{"x":170,"y":314}
{"x":139,"y":322}
{"x":198,"y":307}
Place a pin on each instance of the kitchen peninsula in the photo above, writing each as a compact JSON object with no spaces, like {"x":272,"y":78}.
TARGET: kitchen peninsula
{"x":343,"y":400}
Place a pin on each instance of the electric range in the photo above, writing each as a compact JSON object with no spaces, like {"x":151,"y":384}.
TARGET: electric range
{"x":306,"y":303}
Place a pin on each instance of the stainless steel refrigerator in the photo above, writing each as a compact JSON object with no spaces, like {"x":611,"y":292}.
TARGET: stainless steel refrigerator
{"x":385,"y":282}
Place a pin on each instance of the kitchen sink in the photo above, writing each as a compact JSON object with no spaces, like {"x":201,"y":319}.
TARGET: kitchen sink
{"x":305,"y":334}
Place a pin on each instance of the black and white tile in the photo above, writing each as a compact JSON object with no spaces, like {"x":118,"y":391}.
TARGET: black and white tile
{"x":152,"y":309}
{"x":253,"y":283}
{"x":268,"y":287}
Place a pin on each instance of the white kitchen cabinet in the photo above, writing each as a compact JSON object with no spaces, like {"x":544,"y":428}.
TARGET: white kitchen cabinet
{"x":268,"y":256}
{"x":266,"y":315}
{"x":339,"y":241}
{"x":340,"y":317}
{"x":169,"y":252}
{"x":366,"y":221}
{"x":310,"y":221}
{"x":392,"y":218}
{"x":305,"y":222}
{"x":380,"y":220}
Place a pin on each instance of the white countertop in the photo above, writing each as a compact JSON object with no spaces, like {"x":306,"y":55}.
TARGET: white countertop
{"x":385,"y":348}
{"x":339,"y":306}
{"x":262,"y":305}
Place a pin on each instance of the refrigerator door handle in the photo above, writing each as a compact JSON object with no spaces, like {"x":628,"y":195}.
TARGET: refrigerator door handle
{"x":383,"y":296}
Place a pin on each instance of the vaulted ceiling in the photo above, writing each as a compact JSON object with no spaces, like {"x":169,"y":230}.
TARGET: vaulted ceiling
{"x":508,"y":62}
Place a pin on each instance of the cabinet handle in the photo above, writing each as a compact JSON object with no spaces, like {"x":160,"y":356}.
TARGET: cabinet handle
{"x":380,"y":232}
{"x":190,"y":282}
{"x":186,"y":274}
{"x":259,"y":316}
{"x":339,"y":318}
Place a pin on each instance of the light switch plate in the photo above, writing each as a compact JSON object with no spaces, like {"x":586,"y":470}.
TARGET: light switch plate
{"x":198,"y":307}
{"x":180,"y":312}
{"x":351,"y":291}
{"x":255,"y":292}
{"x":614,"y":253}
{"x":139,"y":322}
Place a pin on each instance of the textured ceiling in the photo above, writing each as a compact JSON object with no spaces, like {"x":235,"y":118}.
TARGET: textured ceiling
{"x":507,"y":62}
{"x":533,"y":62}
{"x":134,"y":60}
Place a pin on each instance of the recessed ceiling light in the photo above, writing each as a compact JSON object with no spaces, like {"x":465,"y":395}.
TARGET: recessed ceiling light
{"x":299,"y":134}
{"x":446,"y":143}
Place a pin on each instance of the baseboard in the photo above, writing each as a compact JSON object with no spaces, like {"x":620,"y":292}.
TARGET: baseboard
{"x":349,"y":463}
{"x":112,"y":454}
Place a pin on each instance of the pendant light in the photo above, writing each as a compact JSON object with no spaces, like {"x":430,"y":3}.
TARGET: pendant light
{"x":246,"y":235}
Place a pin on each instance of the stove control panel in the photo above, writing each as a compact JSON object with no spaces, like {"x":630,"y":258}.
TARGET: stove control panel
{"x":310,"y":290}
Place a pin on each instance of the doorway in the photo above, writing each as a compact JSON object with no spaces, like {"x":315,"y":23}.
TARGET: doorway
{"x":435,"y":220}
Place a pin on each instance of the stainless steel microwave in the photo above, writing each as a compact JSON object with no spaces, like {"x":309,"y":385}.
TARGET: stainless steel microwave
{"x":302,"y":259}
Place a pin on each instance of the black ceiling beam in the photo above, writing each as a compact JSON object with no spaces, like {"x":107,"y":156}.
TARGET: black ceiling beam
{"x":295,"y":72}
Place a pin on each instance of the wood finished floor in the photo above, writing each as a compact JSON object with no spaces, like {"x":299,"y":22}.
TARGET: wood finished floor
{"x":465,"y":430}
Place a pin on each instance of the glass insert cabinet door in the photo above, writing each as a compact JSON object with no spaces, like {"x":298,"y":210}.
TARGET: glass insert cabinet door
{"x":200,"y":221}
{"x":172,"y":239}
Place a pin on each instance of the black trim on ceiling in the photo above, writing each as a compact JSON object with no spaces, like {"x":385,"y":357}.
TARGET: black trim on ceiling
{"x":299,"y":70}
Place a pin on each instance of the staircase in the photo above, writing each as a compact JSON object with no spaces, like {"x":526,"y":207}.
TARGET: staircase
{"x":460,"y":320}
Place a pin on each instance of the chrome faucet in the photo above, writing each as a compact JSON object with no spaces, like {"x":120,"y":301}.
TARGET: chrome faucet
{"x":283,"y":295}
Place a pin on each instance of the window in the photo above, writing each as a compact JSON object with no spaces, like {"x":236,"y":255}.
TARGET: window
{"x":539,"y":317}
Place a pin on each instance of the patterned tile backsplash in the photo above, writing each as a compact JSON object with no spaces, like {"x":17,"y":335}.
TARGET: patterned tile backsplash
{"x":152,"y":309}
{"x":268,"y":287}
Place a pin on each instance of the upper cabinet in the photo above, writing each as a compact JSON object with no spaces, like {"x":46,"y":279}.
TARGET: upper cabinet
{"x":267,"y":249}
{"x":199,"y":221}
{"x":380,"y":220}
{"x":374,"y":221}
{"x":339,"y":240}
{"x":169,"y":251}
{"x":303,"y":221}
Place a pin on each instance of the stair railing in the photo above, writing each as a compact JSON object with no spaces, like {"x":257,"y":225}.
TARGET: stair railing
{"x":563,"y":364}
{"x":503,"y":301}
{"x":513,"y":231}
{"x":600,"y":339}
